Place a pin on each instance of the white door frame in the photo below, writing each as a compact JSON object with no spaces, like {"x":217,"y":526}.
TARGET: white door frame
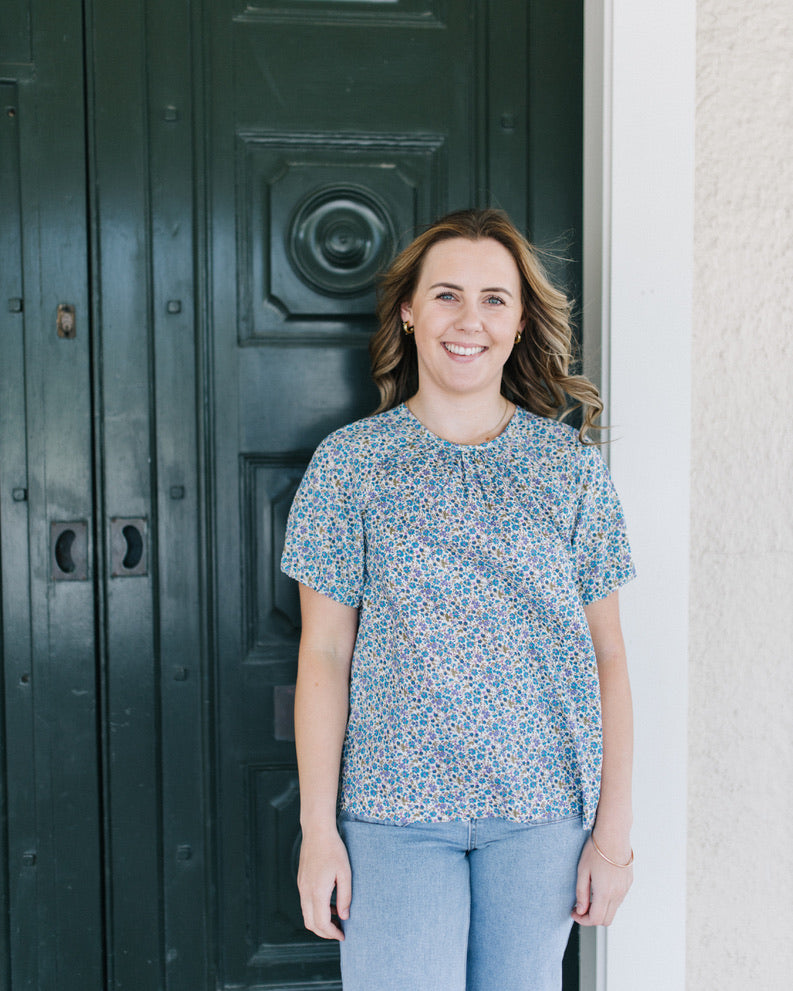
{"x":638,"y":268}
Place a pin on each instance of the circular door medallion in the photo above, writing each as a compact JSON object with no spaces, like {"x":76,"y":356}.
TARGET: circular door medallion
{"x":340,"y":238}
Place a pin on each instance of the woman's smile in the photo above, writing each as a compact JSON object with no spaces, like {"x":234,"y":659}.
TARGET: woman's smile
{"x":463,"y":350}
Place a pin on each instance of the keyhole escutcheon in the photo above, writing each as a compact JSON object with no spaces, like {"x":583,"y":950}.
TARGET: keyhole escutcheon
{"x":69,"y":551}
{"x":128,"y":547}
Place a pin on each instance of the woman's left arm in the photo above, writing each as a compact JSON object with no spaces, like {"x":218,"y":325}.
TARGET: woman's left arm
{"x":601,"y":885}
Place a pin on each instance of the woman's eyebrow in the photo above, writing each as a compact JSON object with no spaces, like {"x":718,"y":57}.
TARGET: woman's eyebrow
{"x":451,"y":285}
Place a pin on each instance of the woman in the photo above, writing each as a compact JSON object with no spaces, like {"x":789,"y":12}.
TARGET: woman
{"x":459,"y":555}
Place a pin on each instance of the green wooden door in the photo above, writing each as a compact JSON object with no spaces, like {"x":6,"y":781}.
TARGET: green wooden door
{"x":229,"y":178}
{"x":104,"y":719}
{"x":336,"y":129}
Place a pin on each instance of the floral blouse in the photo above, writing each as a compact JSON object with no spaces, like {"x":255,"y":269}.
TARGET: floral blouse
{"x":473,"y":686}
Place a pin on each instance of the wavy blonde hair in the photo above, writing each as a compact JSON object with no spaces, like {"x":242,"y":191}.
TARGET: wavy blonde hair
{"x":537,"y":373}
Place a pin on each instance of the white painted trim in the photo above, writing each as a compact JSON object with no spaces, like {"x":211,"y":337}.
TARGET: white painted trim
{"x":597,"y":192}
{"x":638,"y":272}
{"x":596,"y":296}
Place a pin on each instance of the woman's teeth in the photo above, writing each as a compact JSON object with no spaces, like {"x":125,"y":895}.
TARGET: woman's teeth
{"x":459,"y":349}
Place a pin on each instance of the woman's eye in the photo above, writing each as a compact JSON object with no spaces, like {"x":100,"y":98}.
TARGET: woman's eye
{"x":497,"y":300}
{"x":445,"y":295}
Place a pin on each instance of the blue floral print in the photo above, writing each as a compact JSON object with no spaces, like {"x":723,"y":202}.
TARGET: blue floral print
{"x":473,"y":687}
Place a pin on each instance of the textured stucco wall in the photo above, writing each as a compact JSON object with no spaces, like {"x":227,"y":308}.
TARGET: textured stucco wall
{"x":740,"y":848}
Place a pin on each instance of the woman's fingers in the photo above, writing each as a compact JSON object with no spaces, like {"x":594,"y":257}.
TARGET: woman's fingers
{"x":343,"y":894}
{"x":582,"y":890}
{"x":600,"y":913}
{"x":324,"y":866}
{"x":320,"y":920}
{"x":317,"y":912}
{"x":600,"y":889}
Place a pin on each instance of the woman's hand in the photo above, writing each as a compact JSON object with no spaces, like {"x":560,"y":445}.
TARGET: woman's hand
{"x":600,"y":888}
{"x":324,"y":865}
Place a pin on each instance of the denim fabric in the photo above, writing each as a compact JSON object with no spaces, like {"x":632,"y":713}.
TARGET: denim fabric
{"x":480,"y":905}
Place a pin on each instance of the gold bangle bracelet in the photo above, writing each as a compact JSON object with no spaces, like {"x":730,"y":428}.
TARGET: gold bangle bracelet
{"x":608,"y":859}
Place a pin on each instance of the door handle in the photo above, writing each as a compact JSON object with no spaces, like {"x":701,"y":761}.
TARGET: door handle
{"x":69,"y":551}
{"x":128,"y":547}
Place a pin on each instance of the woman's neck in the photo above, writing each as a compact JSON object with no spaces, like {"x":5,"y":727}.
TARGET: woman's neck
{"x":469,"y":420}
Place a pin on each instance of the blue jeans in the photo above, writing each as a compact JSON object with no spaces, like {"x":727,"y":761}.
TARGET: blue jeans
{"x":482,"y":905}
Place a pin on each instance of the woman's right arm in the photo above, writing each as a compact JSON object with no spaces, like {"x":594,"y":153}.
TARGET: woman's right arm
{"x":321,"y":708}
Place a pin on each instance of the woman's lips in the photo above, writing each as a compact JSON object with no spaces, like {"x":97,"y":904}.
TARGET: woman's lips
{"x":464,"y":350}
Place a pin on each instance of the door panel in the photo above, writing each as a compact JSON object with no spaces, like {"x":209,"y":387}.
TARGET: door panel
{"x":46,"y":493}
{"x":129,"y":665}
{"x":17,"y":794}
{"x":556,"y":129}
{"x":336,"y":130}
{"x":153,"y":671}
{"x":176,"y":356}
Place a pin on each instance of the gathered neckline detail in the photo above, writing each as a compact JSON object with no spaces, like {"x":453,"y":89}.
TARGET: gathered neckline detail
{"x":439,"y":441}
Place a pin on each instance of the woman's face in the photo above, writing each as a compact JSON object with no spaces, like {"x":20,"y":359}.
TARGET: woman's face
{"x":466,"y":311}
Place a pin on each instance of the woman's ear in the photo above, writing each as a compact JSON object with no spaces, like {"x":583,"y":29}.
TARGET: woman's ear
{"x":406,"y":312}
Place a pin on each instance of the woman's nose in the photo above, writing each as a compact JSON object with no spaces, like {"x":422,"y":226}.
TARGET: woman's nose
{"x":469,"y":318}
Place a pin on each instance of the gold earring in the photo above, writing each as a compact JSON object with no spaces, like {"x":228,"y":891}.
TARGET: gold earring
{"x":518,"y":337}
{"x":408,"y":328}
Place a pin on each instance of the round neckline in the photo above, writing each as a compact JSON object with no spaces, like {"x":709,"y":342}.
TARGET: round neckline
{"x":437,"y":439}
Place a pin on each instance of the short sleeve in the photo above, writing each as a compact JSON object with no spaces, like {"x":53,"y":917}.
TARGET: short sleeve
{"x":601,"y":552}
{"x":324,"y":546}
